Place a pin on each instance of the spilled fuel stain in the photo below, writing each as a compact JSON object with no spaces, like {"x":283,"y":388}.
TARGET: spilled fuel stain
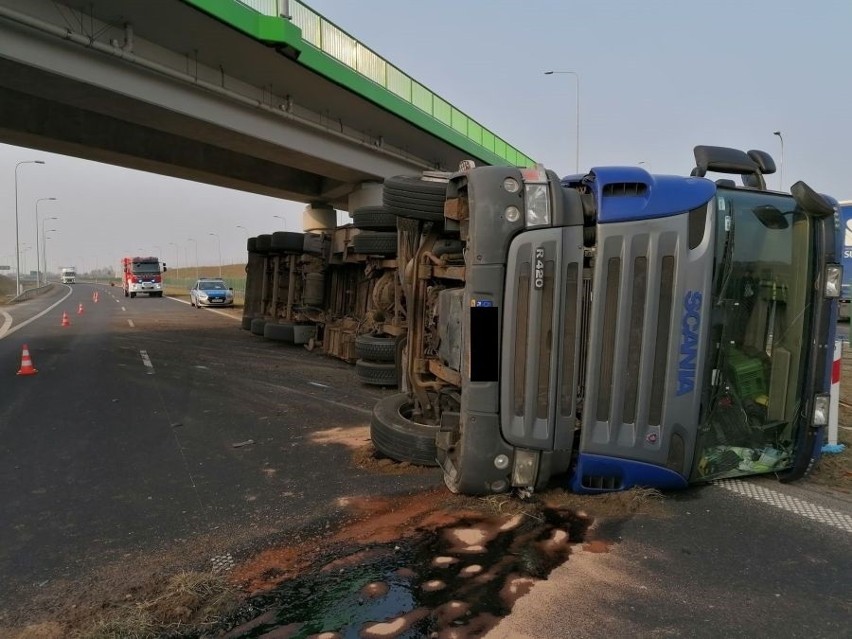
{"x":453,"y":581}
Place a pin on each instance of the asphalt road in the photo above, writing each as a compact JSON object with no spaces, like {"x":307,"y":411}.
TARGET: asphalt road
{"x":149,"y":423}
{"x":154,"y":428}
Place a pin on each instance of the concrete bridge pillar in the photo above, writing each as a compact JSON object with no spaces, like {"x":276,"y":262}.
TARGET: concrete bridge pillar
{"x":318,"y":216}
{"x":367,"y":194}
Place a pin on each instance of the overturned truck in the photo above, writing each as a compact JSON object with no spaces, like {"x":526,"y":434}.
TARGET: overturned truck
{"x":333,"y":289}
{"x":616,"y":328}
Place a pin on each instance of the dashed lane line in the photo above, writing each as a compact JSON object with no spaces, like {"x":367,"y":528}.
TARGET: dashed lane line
{"x":131,"y":324}
{"x":147,"y":361}
{"x":789,"y":503}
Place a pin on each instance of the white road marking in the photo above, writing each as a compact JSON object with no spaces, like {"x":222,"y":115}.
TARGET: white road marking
{"x":147,"y":361}
{"x":7,"y":322}
{"x":123,"y":309}
{"x":5,"y":331}
{"x":786,"y":502}
{"x":131,"y":324}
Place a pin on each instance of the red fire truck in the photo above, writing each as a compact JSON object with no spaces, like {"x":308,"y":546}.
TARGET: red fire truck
{"x":142,"y":275}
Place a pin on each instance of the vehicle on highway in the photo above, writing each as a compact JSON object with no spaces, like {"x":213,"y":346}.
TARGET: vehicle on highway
{"x":211,"y":291}
{"x":618,"y":328}
{"x":68,"y":274}
{"x":142,"y":275}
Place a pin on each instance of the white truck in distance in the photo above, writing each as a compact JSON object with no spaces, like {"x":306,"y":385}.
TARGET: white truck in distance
{"x":68,"y":274}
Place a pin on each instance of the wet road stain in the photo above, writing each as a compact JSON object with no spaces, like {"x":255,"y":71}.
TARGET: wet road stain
{"x":449,"y":577}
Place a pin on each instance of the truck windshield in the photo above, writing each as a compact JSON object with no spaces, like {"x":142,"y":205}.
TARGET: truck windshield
{"x":146,"y":267}
{"x":758,"y":335}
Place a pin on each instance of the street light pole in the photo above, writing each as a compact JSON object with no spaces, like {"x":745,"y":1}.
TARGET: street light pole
{"x":219,"y":242}
{"x":577,"y":109}
{"x":42,"y":244}
{"x":189,"y":239}
{"x":38,"y":253}
{"x":44,"y":251}
{"x":781,"y":167}
{"x":17,"y":236}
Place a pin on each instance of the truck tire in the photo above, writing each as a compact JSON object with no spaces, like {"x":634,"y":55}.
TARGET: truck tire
{"x":375,"y":243}
{"x":415,"y":198}
{"x":245,"y":324}
{"x":287,"y":242}
{"x":279,"y":332}
{"x":375,"y":349}
{"x":251,"y":245}
{"x":257,"y":325}
{"x":376,"y":373}
{"x":399,"y":438}
{"x":263,"y":243}
{"x":374,"y":218}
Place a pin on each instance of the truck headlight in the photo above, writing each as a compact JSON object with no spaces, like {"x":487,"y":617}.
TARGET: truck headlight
{"x":833,"y":280}
{"x":525,"y":468}
{"x":537,"y":202}
{"x":822,"y":403}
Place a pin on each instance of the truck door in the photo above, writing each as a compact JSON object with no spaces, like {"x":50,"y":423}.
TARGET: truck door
{"x":541,"y":339}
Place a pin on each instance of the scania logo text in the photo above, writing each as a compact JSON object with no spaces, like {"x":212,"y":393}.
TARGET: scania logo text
{"x":690,"y":327}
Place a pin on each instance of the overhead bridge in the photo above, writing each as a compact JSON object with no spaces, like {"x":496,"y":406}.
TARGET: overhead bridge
{"x":265,"y":96}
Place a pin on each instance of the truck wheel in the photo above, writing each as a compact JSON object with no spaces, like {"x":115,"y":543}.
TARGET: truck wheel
{"x":375,"y":243}
{"x":376,"y":349}
{"x":263,"y":243}
{"x":287,"y":242}
{"x":257,"y":325}
{"x":280,"y":332}
{"x":376,"y":373}
{"x":245,"y":323}
{"x":396,"y":436}
{"x":251,"y":245}
{"x":415,"y":198}
{"x":374,"y":218}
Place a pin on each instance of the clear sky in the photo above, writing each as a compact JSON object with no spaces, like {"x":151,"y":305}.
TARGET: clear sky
{"x":656,"y":77}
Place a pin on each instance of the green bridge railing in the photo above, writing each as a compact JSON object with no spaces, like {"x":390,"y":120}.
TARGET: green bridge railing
{"x":330,"y":51}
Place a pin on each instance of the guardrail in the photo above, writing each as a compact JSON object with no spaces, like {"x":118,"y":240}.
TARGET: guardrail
{"x":32,"y":292}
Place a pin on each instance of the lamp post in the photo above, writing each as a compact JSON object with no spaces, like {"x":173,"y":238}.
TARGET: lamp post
{"x":17,"y":237}
{"x":44,"y":238}
{"x":283,"y":221}
{"x":38,"y":253}
{"x":781,"y":167}
{"x":42,"y":242}
{"x":177,"y":262}
{"x":577,"y":109}
{"x":219,"y":243}
{"x":189,"y":239}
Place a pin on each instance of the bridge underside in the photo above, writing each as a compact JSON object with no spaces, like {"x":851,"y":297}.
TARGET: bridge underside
{"x":186,"y":96}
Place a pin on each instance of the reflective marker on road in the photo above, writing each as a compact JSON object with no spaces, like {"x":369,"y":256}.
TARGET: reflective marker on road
{"x":147,"y":361}
{"x":789,"y":503}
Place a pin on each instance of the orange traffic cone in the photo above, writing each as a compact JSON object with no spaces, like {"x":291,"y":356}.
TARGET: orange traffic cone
{"x":27,"y":367}
{"x":65,"y":320}
{"x":80,"y":309}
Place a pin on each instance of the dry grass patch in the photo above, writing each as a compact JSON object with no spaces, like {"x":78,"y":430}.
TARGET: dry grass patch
{"x":187,"y":600}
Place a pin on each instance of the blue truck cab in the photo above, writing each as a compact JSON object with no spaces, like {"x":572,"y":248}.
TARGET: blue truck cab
{"x":618,"y":329}
{"x":846,"y":290}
